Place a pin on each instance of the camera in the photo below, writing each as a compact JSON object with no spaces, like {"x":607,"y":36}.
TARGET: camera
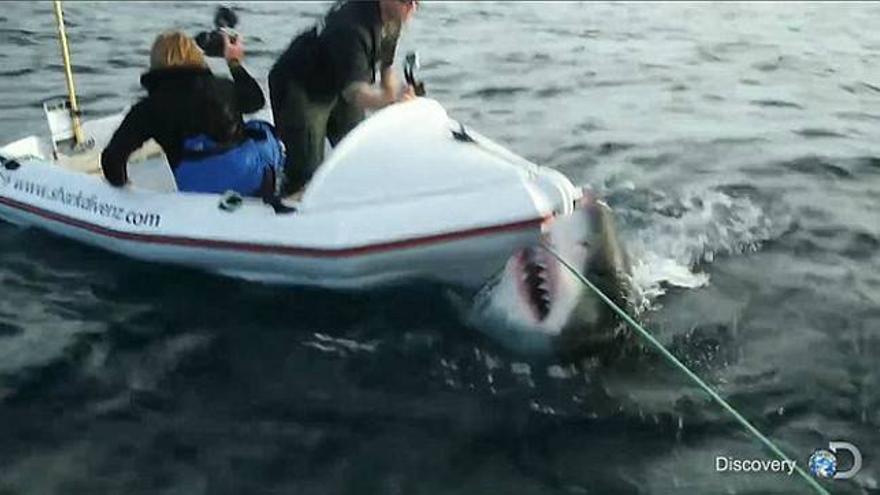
{"x":211,"y":42}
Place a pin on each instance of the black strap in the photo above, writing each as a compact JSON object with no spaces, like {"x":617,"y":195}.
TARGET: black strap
{"x":462,"y":134}
{"x":279,"y":207}
{"x":270,"y":196}
{"x":9,"y":163}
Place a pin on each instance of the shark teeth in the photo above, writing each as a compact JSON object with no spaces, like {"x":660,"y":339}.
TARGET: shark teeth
{"x":535,"y":279}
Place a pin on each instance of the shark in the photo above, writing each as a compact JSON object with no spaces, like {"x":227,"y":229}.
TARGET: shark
{"x":536,"y":307}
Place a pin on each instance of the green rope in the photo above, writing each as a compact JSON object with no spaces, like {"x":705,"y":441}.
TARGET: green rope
{"x":668,"y":355}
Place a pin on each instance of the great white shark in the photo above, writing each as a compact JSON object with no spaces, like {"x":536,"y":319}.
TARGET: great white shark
{"x":535,"y":306}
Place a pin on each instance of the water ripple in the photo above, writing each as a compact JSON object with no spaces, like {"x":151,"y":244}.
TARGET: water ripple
{"x":17,"y":72}
{"x":776,"y":104}
{"x":814,"y":165}
{"x":552,"y":91}
{"x":860,"y":88}
{"x":126,"y":377}
{"x":496,"y":92}
{"x":812,"y":133}
{"x":869,"y":163}
{"x":858,"y":116}
{"x":8,"y":329}
{"x":611,"y":147}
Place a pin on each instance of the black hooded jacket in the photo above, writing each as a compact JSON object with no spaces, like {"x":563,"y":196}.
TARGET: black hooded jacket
{"x":181,"y":103}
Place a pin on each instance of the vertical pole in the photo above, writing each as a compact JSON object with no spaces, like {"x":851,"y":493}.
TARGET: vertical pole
{"x":68,"y":73}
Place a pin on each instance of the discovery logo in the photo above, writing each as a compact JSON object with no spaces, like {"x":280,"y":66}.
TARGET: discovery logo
{"x":823,"y":463}
{"x":725,"y":464}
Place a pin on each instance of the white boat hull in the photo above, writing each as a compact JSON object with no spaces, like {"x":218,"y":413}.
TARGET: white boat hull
{"x":441,"y":210}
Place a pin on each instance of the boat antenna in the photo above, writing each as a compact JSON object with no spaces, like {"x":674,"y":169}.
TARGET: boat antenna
{"x":78,"y":135}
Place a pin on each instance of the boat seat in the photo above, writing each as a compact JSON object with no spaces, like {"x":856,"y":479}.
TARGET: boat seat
{"x":87,"y":161}
{"x":147,"y":167}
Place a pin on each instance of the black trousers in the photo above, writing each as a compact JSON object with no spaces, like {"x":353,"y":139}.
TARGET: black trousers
{"x":303,"y":123}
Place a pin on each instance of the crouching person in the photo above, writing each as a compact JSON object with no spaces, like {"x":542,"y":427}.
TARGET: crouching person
{"x":196,"y":118}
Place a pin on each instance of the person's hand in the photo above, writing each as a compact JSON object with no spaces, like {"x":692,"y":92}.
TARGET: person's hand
{"x":233,"y":48}
{"x":409,"y":93}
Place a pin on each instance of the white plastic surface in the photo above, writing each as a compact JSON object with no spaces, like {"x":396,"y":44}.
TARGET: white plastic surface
{"x":406,"y":151}
{"x":399,"y":198}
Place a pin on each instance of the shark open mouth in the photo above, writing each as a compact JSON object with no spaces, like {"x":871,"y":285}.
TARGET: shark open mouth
{"x":537,"y":281}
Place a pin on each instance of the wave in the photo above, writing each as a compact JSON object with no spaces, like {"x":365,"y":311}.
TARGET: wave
{"x":496,"y":91}
{"x":814,"y":165}
{"x":670,"y":236}
{"x":17,"y":72}
{"x":771,"y":103}
{"x":811,"y":133}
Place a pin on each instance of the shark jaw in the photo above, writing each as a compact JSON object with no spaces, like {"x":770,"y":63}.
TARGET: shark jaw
{"x":537,"y":281}
{"x":534,"y":300}
{"x":538,"y":308}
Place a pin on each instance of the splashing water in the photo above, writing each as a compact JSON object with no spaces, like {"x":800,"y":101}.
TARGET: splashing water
{"x":670,"y":236}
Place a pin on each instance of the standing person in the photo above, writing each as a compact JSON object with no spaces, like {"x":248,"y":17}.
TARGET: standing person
{"x":196,"y":117}
{"x":323,"y":83}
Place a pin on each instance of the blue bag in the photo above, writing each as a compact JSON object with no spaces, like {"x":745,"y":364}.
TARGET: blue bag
{"x":210,"y":168}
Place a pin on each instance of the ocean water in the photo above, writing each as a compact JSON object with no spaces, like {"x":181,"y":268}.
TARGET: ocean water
{"x":737,"y":144}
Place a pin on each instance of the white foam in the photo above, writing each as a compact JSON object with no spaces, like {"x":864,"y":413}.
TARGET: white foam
{"x":679,"y":234}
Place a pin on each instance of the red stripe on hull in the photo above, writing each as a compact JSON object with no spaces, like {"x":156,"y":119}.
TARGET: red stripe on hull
{"x":275,"y":248}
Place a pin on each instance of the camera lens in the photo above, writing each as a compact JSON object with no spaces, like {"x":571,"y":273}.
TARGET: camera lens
{"x":211,"y":42}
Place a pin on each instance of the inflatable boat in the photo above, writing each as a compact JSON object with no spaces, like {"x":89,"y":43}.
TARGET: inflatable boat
{"x":408,"y":194}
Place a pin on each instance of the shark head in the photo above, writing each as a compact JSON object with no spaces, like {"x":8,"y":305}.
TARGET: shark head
{"x":537,"y":307}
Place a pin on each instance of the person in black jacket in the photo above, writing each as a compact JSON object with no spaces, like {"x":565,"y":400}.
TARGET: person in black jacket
{"x":185,"y":101}
{"x":322,"y":84}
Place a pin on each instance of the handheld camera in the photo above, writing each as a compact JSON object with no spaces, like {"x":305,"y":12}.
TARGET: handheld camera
{"x":211,"y":42}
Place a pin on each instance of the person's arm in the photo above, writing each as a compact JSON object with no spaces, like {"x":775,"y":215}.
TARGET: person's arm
{"x":387,"y":49}
{"x":390,"y":89}
{"x":248,"y":94}
{"x":389,"y":81}
{"x":131,"y":134}
{"x":350,"y":64}
{"x":367,"y":97}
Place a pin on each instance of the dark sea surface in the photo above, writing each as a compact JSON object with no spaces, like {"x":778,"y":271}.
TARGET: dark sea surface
{"x":738,"y":145}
